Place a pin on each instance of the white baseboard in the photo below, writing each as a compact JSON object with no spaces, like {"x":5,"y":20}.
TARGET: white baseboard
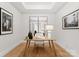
{"x":4,"y":52}
{"x":72,"y":52}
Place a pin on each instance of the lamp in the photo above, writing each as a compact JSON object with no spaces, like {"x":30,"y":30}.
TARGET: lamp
{"x":49,"y":29}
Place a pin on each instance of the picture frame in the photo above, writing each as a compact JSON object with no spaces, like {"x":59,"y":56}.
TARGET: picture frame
{"x":71,"y":21}
{"x":6,"y":22}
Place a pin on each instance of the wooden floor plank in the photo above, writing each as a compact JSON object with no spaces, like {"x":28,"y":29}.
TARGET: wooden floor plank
{"x":38,"y":51}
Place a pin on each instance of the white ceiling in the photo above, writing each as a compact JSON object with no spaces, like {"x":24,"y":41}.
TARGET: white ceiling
{"x":38,"y":7}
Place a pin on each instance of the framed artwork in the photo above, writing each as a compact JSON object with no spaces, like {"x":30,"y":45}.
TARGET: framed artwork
{"x":71,"y":21}
{"x":6,"y":22}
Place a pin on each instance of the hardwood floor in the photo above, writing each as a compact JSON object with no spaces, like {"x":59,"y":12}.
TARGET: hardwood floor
{"x":61,"y":52}
{"x":38,"y":51}
{"x":18,"y":51}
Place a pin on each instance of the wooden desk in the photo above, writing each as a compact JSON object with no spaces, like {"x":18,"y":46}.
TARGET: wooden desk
{"x":51,"y":43}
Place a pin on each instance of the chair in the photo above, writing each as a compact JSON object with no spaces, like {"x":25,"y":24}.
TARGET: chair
{"x":39,"y":36}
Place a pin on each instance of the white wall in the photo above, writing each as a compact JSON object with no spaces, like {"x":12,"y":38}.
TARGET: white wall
{"x":51,"y":18}
{"x":7,"y":42}
{"x":69,"y":39}
{"x":20,"y":28}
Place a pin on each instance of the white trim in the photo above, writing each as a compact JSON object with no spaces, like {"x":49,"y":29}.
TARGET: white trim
{"x":72,"y":52}
{"x":4,"y":52}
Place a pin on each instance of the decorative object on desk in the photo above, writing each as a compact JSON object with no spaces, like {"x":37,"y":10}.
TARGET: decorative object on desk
{"x":43,"y":34}
{"x":71,"y":21}
{"x":30,"y":35}
{"x":6,"y":22}
{"x":35,"y":32}
{"x":49,"y":28}
{"x":26,"y":38}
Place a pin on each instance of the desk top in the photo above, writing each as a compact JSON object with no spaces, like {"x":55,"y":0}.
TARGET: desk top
{"x":40,"y":39}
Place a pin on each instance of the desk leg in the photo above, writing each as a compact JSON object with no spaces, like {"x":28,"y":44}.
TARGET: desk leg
{"x":28,"y":43}
{"x":53,"y":47}
{"x":43,"y":43}
{"x":49,"y":44}
{"x":25,"y":48}
{"x":34,"y":44}
{"x":28,"y":47}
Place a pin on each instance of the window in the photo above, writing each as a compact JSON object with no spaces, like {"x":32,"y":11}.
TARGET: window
{"x":37,"y":23}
